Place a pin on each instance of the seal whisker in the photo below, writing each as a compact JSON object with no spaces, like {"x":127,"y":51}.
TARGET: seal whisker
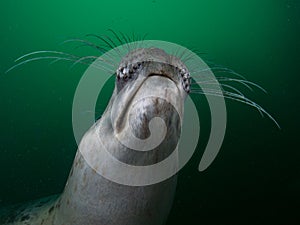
{"x":181,"y":54}
{"x":233,"y":88}
{"x":235,"y":97}
{"x":218,"y":70}
{"x":38,"y":58}
{"x":43,"y":51}
{"x":121,"y":41}
{"x":128,"y":38}
{"x":84,"y":58}
{"x":225,"y":93}
{"x":116,"y":36}
{"x":101,"y":49}
{"x":228,"y":79}
{"x":56,"y":59}
{"x":114,"y":44}
{"x":220,"y":79}
{"x":93,"y":59}
{"x":242,"y":82}
{"x":80,"y":60}
{"x":127,"y":41}
{"x":215,"y":82}
{"x":188,"y":55}
{"x":228,"y":96}
{"x":211,"y":64}
{"x":107,"y":43}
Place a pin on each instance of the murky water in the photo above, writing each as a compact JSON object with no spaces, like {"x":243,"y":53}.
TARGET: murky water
{"x":254,"y":179}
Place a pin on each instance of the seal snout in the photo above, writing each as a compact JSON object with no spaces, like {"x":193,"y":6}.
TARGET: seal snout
{"x":157,"y":97}
{"x":148,"y":61}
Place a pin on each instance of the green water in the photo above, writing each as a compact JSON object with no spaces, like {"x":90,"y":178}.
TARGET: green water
{"x":254,"y":179}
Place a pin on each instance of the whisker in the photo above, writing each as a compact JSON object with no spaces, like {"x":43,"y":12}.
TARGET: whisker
{"x":128,"y":38}
{"x":243,"y":82}
{"x":218,"y":70}
{"x":116,"y":36}
{"x":82,"y":59}
{"x":114,"y":44}
{"x":233,"y":88}
{"x":189,"y":54}
{"x":42,"y":51}
{"x":219,"y":84}
{"x":108,"y":44}
{"x":35,"y":59}
{"x":175,"y":52}
{"x":56,"y":59}
{"x":198,"y":52}
{"x":102,"y":50}
{"x":181,"y":54}
{"x":238,"y":98}
{"x":214,"y":65}
{"x":219,"y":79}
{"x":126,"y":41}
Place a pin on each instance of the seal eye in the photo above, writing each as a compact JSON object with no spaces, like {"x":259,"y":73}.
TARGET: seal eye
{"x":121,"y":73}
{"x":185,"y":79}
{"x":127,"y":73}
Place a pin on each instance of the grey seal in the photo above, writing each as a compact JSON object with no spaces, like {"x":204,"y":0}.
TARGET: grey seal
{"x":89,"y":198}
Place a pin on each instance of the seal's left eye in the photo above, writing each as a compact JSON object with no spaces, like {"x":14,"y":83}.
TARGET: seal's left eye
{"x":127,"y":72}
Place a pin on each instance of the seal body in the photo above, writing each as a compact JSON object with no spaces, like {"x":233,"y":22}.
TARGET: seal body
{"x":40,"y":211}
{"x":89,"y":196}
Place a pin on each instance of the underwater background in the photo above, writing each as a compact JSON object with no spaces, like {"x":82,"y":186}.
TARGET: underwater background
{"x":255,"y":178}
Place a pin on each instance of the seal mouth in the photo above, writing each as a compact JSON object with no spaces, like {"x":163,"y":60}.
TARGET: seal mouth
{"x":161,"y":75}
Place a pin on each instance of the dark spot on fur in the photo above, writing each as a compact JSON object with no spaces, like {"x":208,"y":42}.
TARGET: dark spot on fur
{"x":51,"y":209}
{"x":58,"y":204}
{"x":45,"y":201}
{"x":71,"y":173}
{"x":40,"y":204}
{"x":11,"y":218}
{"x":25,"y":217}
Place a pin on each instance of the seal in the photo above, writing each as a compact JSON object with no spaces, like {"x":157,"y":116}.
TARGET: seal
{"x":90,"y":198}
